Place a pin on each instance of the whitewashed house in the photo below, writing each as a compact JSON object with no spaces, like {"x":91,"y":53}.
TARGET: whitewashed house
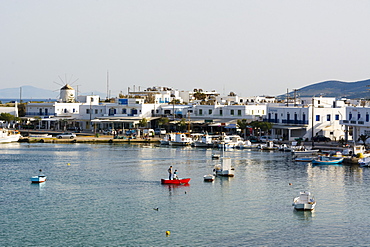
{"x":305,"y":121}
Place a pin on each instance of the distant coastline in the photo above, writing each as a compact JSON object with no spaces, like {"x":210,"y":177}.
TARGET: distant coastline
{"x":4,"y":100}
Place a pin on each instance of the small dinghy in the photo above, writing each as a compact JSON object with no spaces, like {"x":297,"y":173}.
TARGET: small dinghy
{"x":38,"y":179}
{"x":305,"y":201}
{"x":175,"y":181}
{"x":209,"y":178}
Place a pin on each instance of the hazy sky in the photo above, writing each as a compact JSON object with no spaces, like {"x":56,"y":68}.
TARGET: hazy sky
{"x":250,"y":47}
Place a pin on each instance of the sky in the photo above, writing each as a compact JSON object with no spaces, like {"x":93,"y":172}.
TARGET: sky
{"x":249,"y":47}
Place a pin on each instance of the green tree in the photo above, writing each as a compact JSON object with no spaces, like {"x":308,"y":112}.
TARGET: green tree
{"x":163,"y":121}
{"x":143,"y":122}
{"x":7,"y":117}
{"x":242,"y":124}
{"x":182,"y":124}
{"x":263,"y":126}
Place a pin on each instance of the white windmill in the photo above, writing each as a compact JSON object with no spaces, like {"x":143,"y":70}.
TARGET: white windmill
{"x":67,"y":93}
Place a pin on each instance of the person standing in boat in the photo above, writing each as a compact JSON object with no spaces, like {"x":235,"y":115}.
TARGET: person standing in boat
{"x":170,"y":173}
{"x":175,"y":175}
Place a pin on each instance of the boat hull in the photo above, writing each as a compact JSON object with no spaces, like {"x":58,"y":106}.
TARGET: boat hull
{"x":175,"y":181}
{"x":209,"y":178}
{"x":38,"y":179}
{"x":327,"y":162}
{"x":304,"y":206}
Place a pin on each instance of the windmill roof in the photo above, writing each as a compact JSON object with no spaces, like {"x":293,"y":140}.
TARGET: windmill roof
{"x":66,"y":87}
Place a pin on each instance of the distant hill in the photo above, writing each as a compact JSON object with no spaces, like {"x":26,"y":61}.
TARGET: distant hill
{"x":28,"y":92}
{"x":338,"y":89}
{"x":31,"y":92}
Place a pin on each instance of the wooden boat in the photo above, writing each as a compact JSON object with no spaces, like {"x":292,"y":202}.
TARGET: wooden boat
{"x":38,"y":179}
{"x":175,"y":181}
{"x":209,"y":178}
{"x":327,"y":161}
{"x":303,"y":159}
{"x":305,"y":201}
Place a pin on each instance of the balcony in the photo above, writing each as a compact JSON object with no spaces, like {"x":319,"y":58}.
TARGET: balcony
{"x":286,"y":121}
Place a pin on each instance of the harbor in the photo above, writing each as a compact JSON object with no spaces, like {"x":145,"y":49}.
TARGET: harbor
{"x":111,"y":195}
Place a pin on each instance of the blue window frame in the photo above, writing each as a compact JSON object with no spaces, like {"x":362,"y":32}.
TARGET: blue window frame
{"x":317,"y":117}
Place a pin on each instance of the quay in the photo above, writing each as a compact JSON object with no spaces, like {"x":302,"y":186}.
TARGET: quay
{"x":85,"y":137}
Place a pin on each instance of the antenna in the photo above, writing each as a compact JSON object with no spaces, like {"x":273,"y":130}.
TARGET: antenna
{"x":107,"y":84}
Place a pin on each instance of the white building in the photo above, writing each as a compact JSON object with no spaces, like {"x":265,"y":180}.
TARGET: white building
{"x":356,"y":122}
{"x":305,"y":121}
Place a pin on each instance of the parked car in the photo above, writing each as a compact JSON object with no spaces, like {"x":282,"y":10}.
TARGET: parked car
{"x":321,"y":138}
{"x":66,"y":135}
{"x":160,"y":131}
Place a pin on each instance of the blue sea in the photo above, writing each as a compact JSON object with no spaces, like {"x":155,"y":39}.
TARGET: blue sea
{"x":106,"y":195}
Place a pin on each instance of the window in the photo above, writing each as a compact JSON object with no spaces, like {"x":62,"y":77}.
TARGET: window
{"x":200,"y":111}
{"x":87,"y":111}
{"x":232,"y":112}
{"x":209,"y":112}
{"x":96,"y":111}
{"x":350,"y":116}
{"x":358,"y":116}
{"x":220,"y":112}
{"x":337,"y":117}
{"x":317,"y":117}
{"x":367,"y":117}
{"x":124,"y":111}
{"x":328,"y":117}
{"x":239,"y":112}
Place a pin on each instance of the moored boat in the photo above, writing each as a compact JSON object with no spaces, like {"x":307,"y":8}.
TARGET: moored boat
{"x":181,"y":139}
{"x":322,"y":160}
{"x":7,"y":135}
{"x":175,"y":181}
{"x":209,"y":178}
{"x":224,"y":169}
{"x":305,"y":201}
{"x":38,"y":179}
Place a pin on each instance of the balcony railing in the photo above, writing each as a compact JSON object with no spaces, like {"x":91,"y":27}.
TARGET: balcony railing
{"x":286,"y":121}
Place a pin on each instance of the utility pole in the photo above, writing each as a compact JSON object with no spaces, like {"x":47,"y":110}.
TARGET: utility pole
{"x":312,"y":121}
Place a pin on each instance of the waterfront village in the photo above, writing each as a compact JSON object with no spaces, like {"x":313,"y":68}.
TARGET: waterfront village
{"x":197,"y":111}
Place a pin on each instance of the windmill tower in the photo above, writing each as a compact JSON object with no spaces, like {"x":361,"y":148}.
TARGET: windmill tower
{"x":67,"y":94}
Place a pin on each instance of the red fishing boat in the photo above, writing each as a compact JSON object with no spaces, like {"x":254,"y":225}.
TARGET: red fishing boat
{"x":175,"y":181}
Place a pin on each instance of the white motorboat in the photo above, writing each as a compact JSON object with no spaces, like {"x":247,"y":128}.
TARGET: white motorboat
{"x":304,"y":151}
{"x":38,"y":179}
{"x":269,"y":146}
{"x":209,"y":178}
{"x":364,"y":162}
{"x":247,"y":144}
{"x":205,"y":141}
{"x":181,"y":139}
{"x":224,"y":169}
{"x":230,"y":141}
{"x":305,"y":201}
{"x":7,"y":135}
{"x":167,"y":138}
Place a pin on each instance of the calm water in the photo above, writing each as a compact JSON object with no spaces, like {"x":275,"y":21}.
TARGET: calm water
{"x":106,"y":196}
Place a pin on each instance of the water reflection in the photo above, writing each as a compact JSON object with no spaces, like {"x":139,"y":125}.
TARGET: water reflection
{"x":304,"y":215}
{"x":38,"y":186}
{"x":176,"y":189}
